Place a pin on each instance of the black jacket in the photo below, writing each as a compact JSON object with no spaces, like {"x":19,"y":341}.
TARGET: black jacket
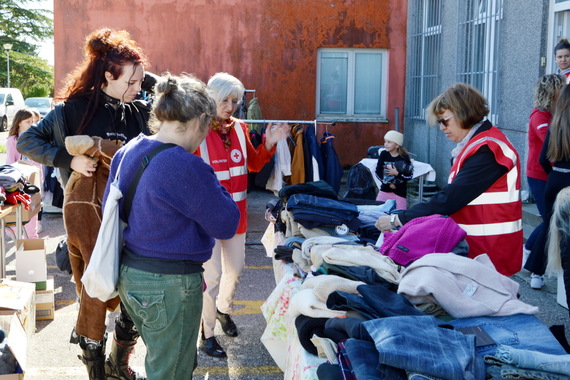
{"x":45,"y":142}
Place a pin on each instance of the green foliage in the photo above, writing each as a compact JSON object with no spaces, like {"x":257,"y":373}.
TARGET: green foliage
{"x":18,"y":26}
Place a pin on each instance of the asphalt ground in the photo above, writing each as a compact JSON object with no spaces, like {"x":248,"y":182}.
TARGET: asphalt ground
{"x":51,"y":356}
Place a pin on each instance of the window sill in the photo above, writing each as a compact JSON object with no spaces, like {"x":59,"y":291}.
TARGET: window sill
{"x":352,"y":119}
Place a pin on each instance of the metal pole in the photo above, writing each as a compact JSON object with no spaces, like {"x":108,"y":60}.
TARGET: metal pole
{"x":8,"y":47}
{"x":8,"y":66}
{"x":397,"y":119}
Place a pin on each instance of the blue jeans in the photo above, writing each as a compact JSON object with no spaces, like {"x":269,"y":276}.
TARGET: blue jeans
{"x":537,"y":187}
{"x":376,"y":301}
{"x":166,"y":310}
{"x":498,"y":370}
{"x":365,"y":364}
{"x":519,"y":331}
{"x":312,"y":211}
{"x":418,"y":344}
{"x":528,"y":359}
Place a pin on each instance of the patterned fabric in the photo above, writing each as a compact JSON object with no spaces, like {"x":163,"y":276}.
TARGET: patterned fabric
{"x":223,"y":129}
{"x":344,"y":362}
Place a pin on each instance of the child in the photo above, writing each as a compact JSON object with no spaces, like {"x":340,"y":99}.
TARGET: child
{"x":395,"y":169}
{"x":23,"y":120}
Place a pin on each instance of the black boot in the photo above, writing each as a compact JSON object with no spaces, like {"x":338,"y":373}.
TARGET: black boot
{"x":117,"y":365}
{"x":93,"y":357}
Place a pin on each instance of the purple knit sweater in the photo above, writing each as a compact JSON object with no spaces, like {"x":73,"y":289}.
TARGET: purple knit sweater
{"x":179,"y":206}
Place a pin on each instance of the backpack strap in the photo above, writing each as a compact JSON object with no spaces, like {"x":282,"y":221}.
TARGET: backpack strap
{"x":134,"y":183}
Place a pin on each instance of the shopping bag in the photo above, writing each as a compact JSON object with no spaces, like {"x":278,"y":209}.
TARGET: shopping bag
{"x":102,"y":273}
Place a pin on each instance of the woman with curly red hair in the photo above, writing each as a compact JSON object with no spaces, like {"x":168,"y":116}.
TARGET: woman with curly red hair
{"x":99,"y":100}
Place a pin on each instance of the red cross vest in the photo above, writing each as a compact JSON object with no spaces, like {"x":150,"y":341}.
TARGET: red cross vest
{"x":493,"y":220}
{"x":230,"y":166}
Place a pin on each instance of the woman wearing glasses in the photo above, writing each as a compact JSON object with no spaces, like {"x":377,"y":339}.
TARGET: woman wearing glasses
{"x":482,"y":194}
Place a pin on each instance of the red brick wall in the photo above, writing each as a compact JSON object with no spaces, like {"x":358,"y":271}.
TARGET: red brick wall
{"x":270,"y":45}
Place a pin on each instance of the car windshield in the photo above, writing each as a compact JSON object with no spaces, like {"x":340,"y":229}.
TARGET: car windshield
{"x":38,"y":103}
{"x":1,"y":98}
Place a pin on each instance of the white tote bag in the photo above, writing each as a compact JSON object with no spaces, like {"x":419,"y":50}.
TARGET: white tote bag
{"x":102,"y":273}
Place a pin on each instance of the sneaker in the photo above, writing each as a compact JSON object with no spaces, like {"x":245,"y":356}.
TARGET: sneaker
{"x":536,"y":281}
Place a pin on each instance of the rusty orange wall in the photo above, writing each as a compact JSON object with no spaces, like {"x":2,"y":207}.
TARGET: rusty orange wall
{"x":271,"y":45}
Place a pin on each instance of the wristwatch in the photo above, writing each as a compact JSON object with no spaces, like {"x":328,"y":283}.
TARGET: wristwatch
{"x":392,"y":221}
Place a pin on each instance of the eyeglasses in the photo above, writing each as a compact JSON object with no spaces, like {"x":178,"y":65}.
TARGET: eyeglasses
{"x":444,"y":120}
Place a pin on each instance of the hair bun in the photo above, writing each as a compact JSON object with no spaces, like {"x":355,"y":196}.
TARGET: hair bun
{"x":166,"y":85}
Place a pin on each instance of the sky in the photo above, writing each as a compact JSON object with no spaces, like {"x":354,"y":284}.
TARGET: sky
{"x":46,"y":49}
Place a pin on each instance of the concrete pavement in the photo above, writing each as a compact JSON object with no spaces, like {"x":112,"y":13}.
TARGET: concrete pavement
{"x":51,"y":356}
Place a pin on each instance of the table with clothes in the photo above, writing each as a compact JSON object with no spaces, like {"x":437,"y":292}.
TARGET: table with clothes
{"x":351,"y":303}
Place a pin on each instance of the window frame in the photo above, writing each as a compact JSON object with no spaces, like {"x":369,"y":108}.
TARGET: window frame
{"x":468,"y":54}
{"x":350,"y":116}
{"x":425,"y":40}
{"x":553,"y":35}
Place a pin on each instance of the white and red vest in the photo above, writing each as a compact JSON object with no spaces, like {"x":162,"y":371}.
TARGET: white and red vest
{"x":493,"y":220}
{"x":230,"y":166}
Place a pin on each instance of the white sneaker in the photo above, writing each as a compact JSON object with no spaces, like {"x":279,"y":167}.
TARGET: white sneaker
{"x":536,"y":281}
{"x":39,"y":227}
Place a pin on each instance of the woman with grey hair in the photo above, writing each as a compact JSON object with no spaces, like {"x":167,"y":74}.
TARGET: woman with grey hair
{"x":545,"y":96}
{"x":228,"y":149}
{"x":160,"y":280}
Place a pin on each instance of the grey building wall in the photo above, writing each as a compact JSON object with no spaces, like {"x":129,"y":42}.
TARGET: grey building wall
{"x":522,"y":44}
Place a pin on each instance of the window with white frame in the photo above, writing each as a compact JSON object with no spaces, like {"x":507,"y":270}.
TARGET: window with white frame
{"x":352,"y":84}
{"x":424,"y":63}
{"x":478,"y":47}
{"x":559,"y":28}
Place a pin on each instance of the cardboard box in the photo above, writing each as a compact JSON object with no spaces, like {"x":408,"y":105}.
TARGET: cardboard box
{"x":19,"y":298}
{"x":45,"y":301}
{"x":35,"y":207}
{"x":31,"y":263}
{"x":17,"y":342}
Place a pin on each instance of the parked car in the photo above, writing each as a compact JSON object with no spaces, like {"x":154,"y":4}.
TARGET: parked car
{"x":43,"y":105}
{"x":11,"y":101}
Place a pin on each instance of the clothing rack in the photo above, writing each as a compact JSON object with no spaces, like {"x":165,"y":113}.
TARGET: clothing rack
{"x":262,"y":121}
{"x":314,"y":122}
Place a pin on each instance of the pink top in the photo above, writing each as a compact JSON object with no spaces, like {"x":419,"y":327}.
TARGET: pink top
{"x":12,"y":154}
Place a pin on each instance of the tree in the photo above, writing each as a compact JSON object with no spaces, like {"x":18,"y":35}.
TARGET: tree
{"x":25,"y":29}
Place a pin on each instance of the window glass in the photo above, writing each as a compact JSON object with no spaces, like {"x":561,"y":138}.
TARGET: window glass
{"x":352,"y":83}
{"x":367,"y":83}
{"x":334,"y":77}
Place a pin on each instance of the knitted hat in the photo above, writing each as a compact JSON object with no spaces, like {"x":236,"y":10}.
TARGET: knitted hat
{"x":395,"y":137}
{"x":421,"y":236}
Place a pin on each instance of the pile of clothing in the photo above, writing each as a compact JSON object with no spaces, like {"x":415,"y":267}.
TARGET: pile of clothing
{"x":14,"y":187}
{"x":412,"y":307}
